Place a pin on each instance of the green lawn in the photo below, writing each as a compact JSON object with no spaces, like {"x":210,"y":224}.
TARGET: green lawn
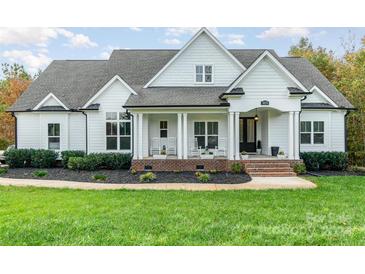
{"x":332,"y":214}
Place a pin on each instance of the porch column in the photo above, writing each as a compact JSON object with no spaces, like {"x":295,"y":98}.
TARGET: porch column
{"x":231,"y":136}
{"x":179,"y":136}
{"x":291,"y":135}
{"x":135,"y":136}
{"x":296,"y":135}
{"x":140,"y":136}
{"x":185,"y":135}
{"x":237,"y":135}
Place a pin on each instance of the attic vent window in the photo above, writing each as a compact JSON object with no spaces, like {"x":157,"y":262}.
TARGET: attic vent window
{"x":204,"y":74}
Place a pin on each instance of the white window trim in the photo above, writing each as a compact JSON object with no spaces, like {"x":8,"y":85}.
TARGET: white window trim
{"x":312,"y":133}
{"x":203,"y":83}
{"x":167,"y":129}
{"x":206,"y":130}
{"x":118,"y":121}
{"x":59,"y":136}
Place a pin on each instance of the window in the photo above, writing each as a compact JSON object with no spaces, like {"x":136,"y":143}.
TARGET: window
{"x":53,"y":136}
{"x":318,"y":132}
{"x":163,"y":129}
{"x":118,"y":131}
{"x":305,"y":132}
{"x":204,"y":74}
{"x":206,"y":133}
{"x":312,"y":132}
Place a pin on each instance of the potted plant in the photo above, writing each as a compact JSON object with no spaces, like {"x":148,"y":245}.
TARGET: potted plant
{"x":244,"y":155}
{"x":162,"y":154}
{"x":258,"y":148}
{"x":206,"y":154}
{"x":281,"y":155}
{"x":274,"y":151}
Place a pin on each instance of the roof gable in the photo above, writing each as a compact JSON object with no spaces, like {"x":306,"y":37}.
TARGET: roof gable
{"x":202,"y":33}
{"x":50,"y":100}
{"x":105,"y":87}
{"x":276,"y":62}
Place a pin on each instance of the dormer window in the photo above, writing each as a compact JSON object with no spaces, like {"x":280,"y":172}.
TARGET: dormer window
{"x":204,"y":74}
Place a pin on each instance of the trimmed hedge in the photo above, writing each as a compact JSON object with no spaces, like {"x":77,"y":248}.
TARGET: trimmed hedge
{"x":43,"y":158}
{"x":315,"y":161}
{"x":17,"y":158}
{"x":65,"y":155}
{"x":39,"y":158}
{"x":95,"y":161}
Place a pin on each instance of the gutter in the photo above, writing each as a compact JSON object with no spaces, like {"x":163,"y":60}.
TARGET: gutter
{"x":176,"y":106}
{"x":345,"y":126}
{"x":15,"y":129}
{"x":300,"y":113}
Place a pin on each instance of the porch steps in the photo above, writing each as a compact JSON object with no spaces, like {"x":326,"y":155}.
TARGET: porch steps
{"x":269,"y":169}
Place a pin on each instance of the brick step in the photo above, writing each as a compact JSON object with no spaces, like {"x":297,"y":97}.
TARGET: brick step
{"x":272,"y":174}
{"x":267,"y":166}
{"x":269,"y":169}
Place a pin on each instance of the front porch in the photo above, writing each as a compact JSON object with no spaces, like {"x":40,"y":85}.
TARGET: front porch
{"x":215,"y":134}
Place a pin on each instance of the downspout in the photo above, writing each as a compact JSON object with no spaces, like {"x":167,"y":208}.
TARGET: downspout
{"x":15,"y":129}
{"x":86,"y":135}
{"x":300,"y":112}
{"x":345,"y":125}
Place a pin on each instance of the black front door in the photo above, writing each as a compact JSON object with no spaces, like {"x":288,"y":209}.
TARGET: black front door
{"x":247,"y":134}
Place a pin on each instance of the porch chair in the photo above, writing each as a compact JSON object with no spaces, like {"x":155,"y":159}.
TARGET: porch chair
{"x":155,"y":148}
{"x":171,"y":146}
{"x":221,"y":149}
{"x":195,"y":150}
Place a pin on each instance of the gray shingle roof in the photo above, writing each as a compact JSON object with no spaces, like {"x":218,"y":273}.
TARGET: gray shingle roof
{"x":74,"y":82}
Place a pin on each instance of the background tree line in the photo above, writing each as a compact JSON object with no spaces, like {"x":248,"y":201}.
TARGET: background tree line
{"x":347,"y":73}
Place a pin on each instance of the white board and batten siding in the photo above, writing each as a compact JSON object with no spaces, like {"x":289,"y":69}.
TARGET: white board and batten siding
{"x":203,"y":51}
{"x":334,"y":129}
{"x":111,"y":100}
{"x":32,"y":129}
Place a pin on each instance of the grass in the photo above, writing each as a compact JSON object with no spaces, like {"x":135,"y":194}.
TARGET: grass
{"x":332,"y":214}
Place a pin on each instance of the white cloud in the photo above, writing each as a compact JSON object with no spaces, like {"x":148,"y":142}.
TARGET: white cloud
{"x":33,"y":62}
{"x":105,"y":55}
{"x":27,"y":36}
{"x":235,"y":39}
{"x":283,"y":32}
{"x":189,"y":31}
{"x":136,"y":29}
{"x":81,"y":41}
{"x":172,"y":41}
{"x":41,"y":36}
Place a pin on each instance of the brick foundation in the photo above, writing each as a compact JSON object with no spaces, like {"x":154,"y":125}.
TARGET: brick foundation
{"x":191,"y":164}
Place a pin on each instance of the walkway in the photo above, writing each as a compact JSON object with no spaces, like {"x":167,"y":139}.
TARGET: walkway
{"x":256,"y":183}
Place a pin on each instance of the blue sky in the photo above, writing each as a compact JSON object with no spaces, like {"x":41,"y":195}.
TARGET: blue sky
{"x":36,"y":47}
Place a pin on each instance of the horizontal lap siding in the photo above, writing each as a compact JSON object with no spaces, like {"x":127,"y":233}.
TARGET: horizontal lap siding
{"x":202,"y":51}
{"x":278,"y":131}
{"x":77,"y":131}
{"x":28,"y":130}
{"x":334,"y":139}
{"x":111,"y":100}
{"x":154,"y":126}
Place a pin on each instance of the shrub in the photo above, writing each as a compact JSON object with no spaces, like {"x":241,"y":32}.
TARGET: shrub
{"x":40,"y":173}
{"x":65,"y":155}
{"x":73,"y":163}
{"x":3,"y":170}
{"x":357,"y":158}
{"x":18,"y":157}
{"x":43,"y":158}
{"x":147,"y":177}
{"x":204,"y":177}
{"x":4,"y":143}
{"x":115,"y":160}
{"x":236,"y":168}
{"x":299,"y":168}
{"x":100,"y":177}
{"x":325,"y":160}
{"x":133,"y":171}
{"x":198,"y":173}
{"x":213,"y":171}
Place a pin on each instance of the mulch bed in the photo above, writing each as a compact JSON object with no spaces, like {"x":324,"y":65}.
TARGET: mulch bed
{"x":334,"y":173}
{"x":124,"y":176}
